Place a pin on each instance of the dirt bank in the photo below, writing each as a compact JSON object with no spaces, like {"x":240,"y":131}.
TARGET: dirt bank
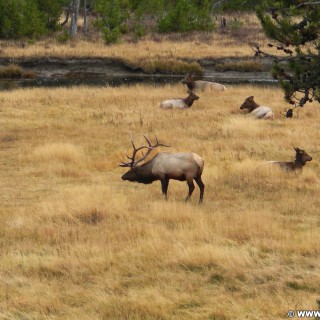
{"x":97,"y":67}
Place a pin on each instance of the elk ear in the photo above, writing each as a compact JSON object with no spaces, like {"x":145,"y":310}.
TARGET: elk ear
{"x":251,"y":98}
{"x":189,"y":92}
{"x":296,"y":149}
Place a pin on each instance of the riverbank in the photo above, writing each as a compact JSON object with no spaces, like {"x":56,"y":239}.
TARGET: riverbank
{"x":96,"y":70}
{"x":224,"y":54}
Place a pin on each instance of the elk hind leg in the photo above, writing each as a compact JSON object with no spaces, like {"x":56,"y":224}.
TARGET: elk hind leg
{"x":201,"y":187}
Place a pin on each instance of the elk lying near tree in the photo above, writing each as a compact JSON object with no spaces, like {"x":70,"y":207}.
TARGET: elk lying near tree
{"x":256,"y":111}
{"x":180,"y":103}
{"x":301,"y":159}
{"x":201,"y":85}
{"x":165,"y":166}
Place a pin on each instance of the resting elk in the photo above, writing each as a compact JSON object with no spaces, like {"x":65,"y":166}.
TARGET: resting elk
{"x":294,"y":166}
{"x":180,"y":103}
{"x":165,"y":166}
{"x":256,"y":111}
{"x":201,"y":85}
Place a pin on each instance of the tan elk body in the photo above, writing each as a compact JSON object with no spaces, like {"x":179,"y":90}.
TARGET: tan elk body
{"x":182,"y":166}
{"x":202,"y":85}
{"x":180,"y":103}
{"x":294,"y":166}
{"x":256,"y":111}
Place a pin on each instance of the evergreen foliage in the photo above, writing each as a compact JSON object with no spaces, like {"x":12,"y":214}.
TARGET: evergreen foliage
{"x":171,"y":16}
{"x":112,"y":18}
{"x":51,"y":11}
{"x":186,"y":15}
{"x":294,"y":25}
{"x":34,"y":18}
{"x":28,"y":18}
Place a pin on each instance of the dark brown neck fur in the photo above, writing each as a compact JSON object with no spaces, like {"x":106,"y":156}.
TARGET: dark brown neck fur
{"x":290,"y":166}
{"x":189,"y":100}
{"x":191,"y":85}
{"x":299,"y":160}
{"x":253,"y":107}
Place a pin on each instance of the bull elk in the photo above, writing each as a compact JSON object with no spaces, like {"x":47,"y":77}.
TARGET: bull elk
{"x":201,"y":85}
{"x":180,"y":103}
{"x":256,"y":111}
{"x":294,"y":166}
{"x":165,"y":166}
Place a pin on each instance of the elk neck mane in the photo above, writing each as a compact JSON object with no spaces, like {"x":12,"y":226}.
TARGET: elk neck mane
{"x":188,"y":100}
{"x":253,"y":106}
{"x":191,"y":85}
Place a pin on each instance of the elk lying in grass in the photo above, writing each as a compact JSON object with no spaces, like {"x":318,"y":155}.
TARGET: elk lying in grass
{"x":180,"y":103}
{"x":165,"y":166}
{"x":256,"y":111}
{"x":294,"y":166}
{"x":201,"y":85}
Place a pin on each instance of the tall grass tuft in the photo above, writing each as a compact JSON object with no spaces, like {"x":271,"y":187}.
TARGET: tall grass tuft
{"x":11,"y":71}
{"x":166,"y":66}
{"x":241,"y":66}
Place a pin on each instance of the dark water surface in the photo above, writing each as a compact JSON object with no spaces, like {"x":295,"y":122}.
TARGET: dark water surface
{"x":132,"y":79}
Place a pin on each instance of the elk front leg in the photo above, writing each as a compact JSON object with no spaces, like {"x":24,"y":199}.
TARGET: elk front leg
{"x":191,"y":188}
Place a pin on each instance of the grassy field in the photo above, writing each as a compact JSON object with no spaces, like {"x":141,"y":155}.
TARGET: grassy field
{"x":77,"y":242}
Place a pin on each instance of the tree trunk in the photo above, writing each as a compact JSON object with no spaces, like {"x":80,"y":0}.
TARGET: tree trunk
{"x":85,"y":17}
{"x":74,"y":17}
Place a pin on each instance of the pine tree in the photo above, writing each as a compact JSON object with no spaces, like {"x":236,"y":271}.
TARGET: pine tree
{"x":294,"y":25}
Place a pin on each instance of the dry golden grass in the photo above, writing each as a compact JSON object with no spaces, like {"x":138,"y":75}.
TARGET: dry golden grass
{"x":79,"y":243}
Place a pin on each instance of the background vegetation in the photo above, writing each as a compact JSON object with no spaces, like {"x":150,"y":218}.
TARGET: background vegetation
{"x":294,"y":27}
{"x":35,"y":18}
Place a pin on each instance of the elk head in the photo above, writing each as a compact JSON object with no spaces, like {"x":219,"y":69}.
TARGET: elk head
{"x":132,"y":174}
{"x":301,"y":156}
{"x":189,"y":79}
{"x":191,"y":98}
{"x":248,"y":103}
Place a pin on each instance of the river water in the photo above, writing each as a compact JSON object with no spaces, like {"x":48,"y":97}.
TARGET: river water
{"x":114,"y":80}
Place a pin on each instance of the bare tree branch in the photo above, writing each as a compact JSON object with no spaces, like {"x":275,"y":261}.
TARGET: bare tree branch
{"x":308,"y":3}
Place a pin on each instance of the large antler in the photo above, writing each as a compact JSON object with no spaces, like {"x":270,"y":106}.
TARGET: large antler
{"x":150,"y":147}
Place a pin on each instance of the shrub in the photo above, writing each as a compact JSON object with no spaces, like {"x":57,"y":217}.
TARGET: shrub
{"x":241,"y":66}
{"x":112,"y":19}
{"x":111,"y":35}
{"x":185,"y":16}
{"x":11,"y":71}
{"x":63,"y":37}
{"x":166,"y":66}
